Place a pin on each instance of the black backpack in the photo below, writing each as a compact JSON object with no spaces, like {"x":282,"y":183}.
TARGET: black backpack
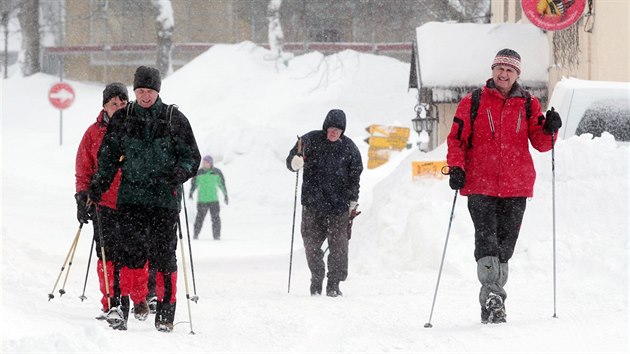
{"x":168,"y":113}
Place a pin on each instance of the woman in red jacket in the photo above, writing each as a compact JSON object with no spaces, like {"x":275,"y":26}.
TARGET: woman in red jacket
{"x":115,"y":97}
{"x":489,"y":161}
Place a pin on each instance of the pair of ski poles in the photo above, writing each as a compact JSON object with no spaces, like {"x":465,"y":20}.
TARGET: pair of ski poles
{"x":553,"y":199}
{"x":71,"y":252}
{"x":70,"y":257}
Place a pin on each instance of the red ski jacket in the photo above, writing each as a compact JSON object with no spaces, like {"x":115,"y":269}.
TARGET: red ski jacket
{"x":87,"y":163}
{"x":496,"y":159}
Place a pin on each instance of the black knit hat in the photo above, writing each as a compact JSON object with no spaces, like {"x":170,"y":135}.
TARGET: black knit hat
{"x":115,"y":89}
{"x":147,"y":77}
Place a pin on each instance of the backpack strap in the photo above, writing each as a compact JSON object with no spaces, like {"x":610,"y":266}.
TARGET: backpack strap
{"x":528,"y":104}
{"x":169,"y":113}
{"x":169,"y":116}
{"x":474,"y":107}
{"x":130,"y":108}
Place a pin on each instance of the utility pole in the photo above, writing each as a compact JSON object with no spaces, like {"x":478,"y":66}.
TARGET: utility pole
{"x":5,"y":24}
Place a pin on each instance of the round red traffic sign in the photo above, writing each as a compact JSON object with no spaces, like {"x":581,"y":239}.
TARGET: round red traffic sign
{"x":61,"y":95}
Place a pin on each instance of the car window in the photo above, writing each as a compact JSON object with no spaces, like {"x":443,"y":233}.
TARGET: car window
{"x":607,"y":115}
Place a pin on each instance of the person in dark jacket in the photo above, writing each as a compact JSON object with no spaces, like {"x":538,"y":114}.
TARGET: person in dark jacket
{"x":115,"y":97}
{"x":209,"y":180}
{"x":489,"y":161}
{"x":155,"y":147}
{"x":330,"y":190}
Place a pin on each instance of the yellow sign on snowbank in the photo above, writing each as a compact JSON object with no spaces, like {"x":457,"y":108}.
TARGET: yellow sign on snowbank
{"x":382,"y":140}
{"x":422,"y":169}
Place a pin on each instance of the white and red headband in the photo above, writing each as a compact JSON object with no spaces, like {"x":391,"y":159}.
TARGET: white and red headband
{"x":510,"y":61}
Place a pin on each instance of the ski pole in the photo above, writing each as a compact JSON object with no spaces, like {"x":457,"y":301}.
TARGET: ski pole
{"x":353,"y":215}
{"x":297,"y":176}
{"x":428,"y":324}
{"x":553,"y":203}
{"x":83,"y":297}
{"x":192,"y":267}
{"x":72,"y":246}
{"x":297,"y":180}
{"x":74,"y":249}
{"x":181,"y":246}
{"x":100,"y":238}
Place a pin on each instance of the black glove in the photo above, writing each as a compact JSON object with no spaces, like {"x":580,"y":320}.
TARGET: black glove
{"x":457,"y":178}
{"x":177,"y":177}
{"x":83,"y":214}
{"x":96,"y":190}
{"x":552,"y":122}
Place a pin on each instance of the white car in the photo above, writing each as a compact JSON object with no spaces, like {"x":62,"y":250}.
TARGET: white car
{"x":572,"y":98}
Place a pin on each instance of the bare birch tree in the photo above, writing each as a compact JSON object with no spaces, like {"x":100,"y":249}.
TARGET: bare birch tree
{"x":165,"y":22}
{"x":28,"y":17}
{"x":276,"y":36}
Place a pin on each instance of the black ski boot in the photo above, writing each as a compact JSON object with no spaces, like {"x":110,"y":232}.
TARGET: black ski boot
{"x":165,"y":316}
{"x":119,"y":313}
{"x":496,"y":309}
{"x":141,"y":311}
{"x":485,"y":314}
{"x":332,"y":288}
{"x":316,"y":286}
{"x":152,"y":301}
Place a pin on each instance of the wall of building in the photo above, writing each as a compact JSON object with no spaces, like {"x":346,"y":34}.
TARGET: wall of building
{"x":603,"y":40}
{"x":96,"y":25}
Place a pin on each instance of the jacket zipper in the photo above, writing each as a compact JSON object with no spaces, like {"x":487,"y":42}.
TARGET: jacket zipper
{"x":518,"y":124}
{"x":490,"y":121}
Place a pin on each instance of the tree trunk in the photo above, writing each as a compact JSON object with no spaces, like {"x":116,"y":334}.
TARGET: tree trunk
{"x":276,"y":37}
{"x":29,"y":23}
{"x":165,"y":27}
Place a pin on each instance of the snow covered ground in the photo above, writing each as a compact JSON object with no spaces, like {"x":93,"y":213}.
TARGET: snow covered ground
{"x":246,"y":112}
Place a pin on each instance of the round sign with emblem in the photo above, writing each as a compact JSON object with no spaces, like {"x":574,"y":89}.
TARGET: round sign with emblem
{"x":553,"y":15}
{"x":61,"y":95}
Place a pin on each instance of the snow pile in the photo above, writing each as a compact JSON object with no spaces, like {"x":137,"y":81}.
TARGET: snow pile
{"x":246,"y":113}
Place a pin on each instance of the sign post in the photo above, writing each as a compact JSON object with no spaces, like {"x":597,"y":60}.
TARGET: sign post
{"x":61,"y":96}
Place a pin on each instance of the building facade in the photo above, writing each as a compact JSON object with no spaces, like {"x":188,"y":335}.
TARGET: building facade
{"x":106,"y":40}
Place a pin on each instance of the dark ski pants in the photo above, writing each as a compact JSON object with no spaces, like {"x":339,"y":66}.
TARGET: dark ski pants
{"x":319,"y":226}
{"x":497,"y":225}
{"x":150,"y":234}
{"x":111,"y":230}
{"x":202,"y":210}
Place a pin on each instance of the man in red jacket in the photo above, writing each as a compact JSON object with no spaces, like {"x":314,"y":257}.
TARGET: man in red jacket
{"x":115,"y":97}
{"x":489,"y":161}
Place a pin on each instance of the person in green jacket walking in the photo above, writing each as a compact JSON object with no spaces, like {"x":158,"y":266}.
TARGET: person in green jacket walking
{"x":209,"y":179}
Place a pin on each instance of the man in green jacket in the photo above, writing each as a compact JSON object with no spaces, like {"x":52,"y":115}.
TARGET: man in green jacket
{"x":209,"y":180}
{"x":154,"y":145}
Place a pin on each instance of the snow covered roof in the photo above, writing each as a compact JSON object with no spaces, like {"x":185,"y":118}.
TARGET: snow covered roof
{"x":451,"y":55}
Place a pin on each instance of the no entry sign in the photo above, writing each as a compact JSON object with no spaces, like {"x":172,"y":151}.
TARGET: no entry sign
{"x":61,"y":95}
